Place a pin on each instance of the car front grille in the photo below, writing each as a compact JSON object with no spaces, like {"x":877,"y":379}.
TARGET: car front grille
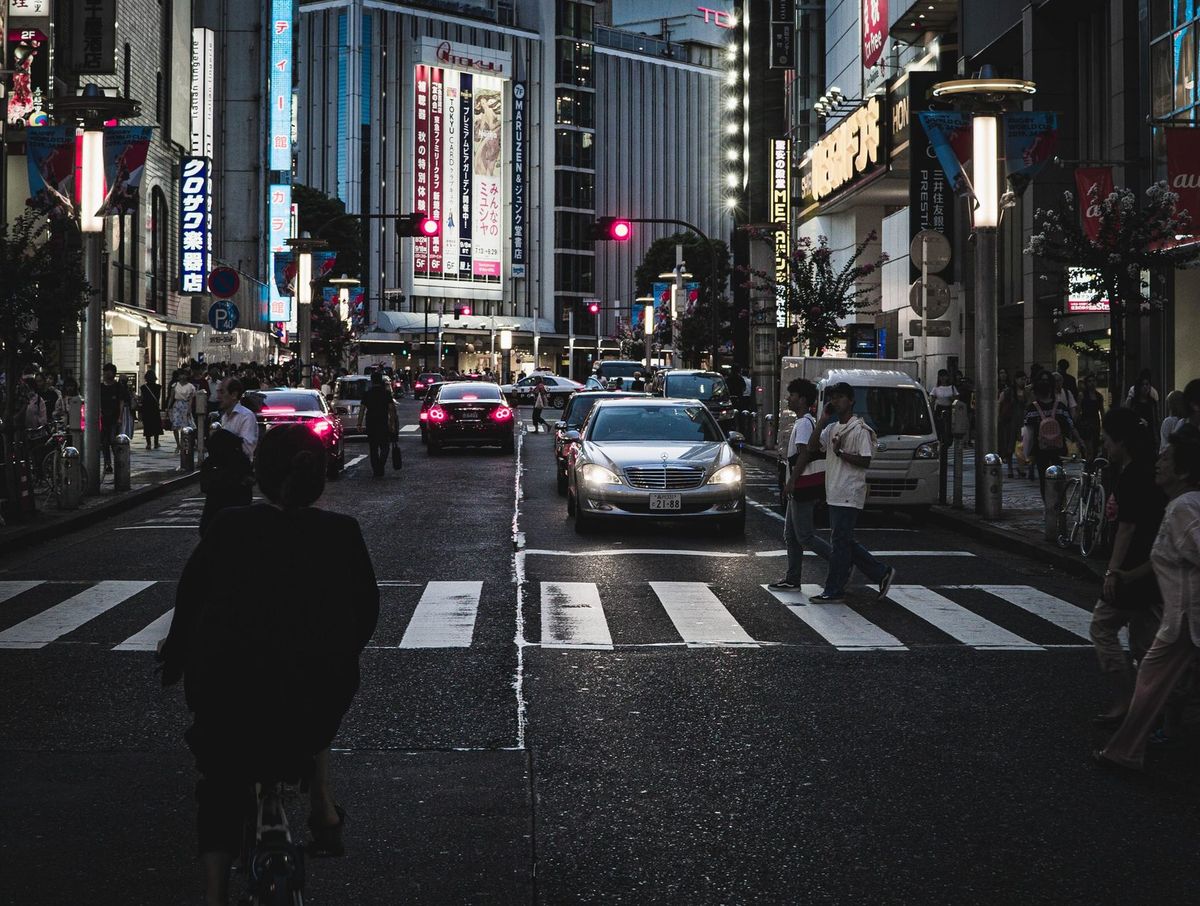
{"x":664,"y":478}
{"x":890,"y":487}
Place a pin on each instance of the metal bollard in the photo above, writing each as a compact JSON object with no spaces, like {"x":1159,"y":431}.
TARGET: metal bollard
{"x":187,"y":450}
{"x":71,"y":492}
{"x":992,"y":504}
{"x":1056,"y":489}
{"x":960,"y":425}
{"x":202,"y":422}
{"x":769,"y":432}
{"x":121,"y":462}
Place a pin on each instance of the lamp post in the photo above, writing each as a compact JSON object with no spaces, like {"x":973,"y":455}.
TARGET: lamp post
{"x":648,"y":324}
{"x":304,"y":247}
{"x":91,"y":109}
{"x":506,"y":340}
{"x":987,"y":98}
{"x":678,"y":275}
{"x":343,"y":284}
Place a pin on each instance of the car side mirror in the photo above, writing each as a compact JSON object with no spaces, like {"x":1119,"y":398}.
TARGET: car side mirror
{"x":559,"y":425}
{"x":736,"y":439}
{"x":573,"y":436}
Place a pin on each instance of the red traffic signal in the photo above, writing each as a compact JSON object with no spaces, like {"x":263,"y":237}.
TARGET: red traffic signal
{"x":461,"y":311}
{"x":612,"y":229}
{"x":428,"y":226}
{"x":418,"y":224}
{"x":594,"y":308}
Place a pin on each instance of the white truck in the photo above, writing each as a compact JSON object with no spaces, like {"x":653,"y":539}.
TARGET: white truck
{"x":887,"y":394}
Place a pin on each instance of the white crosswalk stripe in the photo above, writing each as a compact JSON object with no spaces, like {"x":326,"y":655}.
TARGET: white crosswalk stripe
{"x":573,"y":616}
{"x":408,"y":429}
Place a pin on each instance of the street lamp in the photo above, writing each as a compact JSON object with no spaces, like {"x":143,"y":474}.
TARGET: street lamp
{"x":343,"y":284}
{"x":987,"y":98}
{"x":506,"y":340}
{"x":678,"y":275}
{"x":648,"y":315}
{"x":304,"y":247}
{"x":91,"y":109}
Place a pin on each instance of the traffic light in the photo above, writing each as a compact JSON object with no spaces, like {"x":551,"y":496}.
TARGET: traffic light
{"x":593,"y":308}
{"x":612,"y":229}
{"x":405,"y":350}
{"x":461,"y":311}
{"x":419,"y":224}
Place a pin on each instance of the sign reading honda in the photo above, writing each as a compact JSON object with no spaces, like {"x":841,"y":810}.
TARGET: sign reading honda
{"x":518,"y":180}
{"x":458,"y":166}
{"x":195,"y":220}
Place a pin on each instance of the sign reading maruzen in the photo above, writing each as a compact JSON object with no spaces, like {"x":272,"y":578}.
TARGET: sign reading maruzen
{"x":518,"y":179}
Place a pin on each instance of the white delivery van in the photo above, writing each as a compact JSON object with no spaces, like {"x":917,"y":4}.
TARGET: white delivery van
{"x":888,"y":396}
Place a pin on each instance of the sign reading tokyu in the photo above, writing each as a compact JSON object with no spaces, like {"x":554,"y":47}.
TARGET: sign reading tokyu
{"x":849,"y":151}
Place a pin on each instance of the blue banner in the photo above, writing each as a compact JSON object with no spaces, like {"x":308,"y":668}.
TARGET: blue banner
{"x":50,"y":154}
{"x":125,"y":149}
{"x":1030,"y":140}
{"x":950,"y":135}
{"x":285,"y":276}
{"x":279,"y":136}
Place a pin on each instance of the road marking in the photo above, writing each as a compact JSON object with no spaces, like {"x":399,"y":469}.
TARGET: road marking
{"x":43,"y":628}
{"x":445,"y":616}
{"x":573,"y":617}
{"x":1054,"y":610}
{"x":12,"y":589}
{"x":355,"y":461}
{"x":143,"y":528}
{"x":957,"y":622}
{"x":699,"y":616}
{"x":410,"y":428}
{"x":841,"y":626}
{"x":148,"y":638}
{"x":763,"y":508}
{"x":922,"y":554}
{"x":619,"y":552}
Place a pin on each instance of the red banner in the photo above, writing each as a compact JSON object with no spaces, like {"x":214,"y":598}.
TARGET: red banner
{"x":434,"y":210}
{"x":874,"y":31}
{"x":1089,"y":207}
{"x":1183,"y":170}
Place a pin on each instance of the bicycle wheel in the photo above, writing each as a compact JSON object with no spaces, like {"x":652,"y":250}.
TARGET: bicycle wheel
{"x":1090,"y":518}
{"x":1068,"y":518}
{"x":44,"y":481}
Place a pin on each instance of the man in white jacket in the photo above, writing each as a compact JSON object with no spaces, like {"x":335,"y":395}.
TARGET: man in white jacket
{"x":848,"y":442}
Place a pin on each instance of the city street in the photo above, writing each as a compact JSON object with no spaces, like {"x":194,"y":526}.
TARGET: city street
{"x":628,"y":717}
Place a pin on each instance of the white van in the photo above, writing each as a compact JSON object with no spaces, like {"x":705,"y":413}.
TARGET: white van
{"x":904,"y":467}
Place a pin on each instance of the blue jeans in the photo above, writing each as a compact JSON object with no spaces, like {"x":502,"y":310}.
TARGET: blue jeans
{"x":848,"y":553}
{"x":798,"y":533}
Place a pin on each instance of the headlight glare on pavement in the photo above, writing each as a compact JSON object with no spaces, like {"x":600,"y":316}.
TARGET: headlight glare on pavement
{"x":598,"y":476}
{"x":731,"y":474}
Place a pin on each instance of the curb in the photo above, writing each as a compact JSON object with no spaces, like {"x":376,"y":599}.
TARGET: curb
{"x":1002,"y":540}
{"x":127,"y":501}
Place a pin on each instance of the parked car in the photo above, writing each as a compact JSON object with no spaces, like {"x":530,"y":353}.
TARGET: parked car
{"x":304,"y":407}
{"x":559,"y":389}
{"x":655,"y":459}
{"x":574,"y":415}
{"x":469,"y":413}
{"x":695,"y":384}
{"x":424,"y":379}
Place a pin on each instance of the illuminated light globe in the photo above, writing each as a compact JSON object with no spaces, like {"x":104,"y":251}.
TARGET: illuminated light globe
{"x":429,"y":227}
{"x":621,"y":230}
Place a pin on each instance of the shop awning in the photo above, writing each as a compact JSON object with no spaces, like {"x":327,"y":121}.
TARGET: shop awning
{"x":152,"y":320}
{"x":401,"y":322}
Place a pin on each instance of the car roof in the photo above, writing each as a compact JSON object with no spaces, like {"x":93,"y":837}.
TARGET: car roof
{"x":271,"y":390}
{"x":656,"y":401}
{"x":867,"y":376}
{"x":670,"y":372}
{"x":471,"y":383}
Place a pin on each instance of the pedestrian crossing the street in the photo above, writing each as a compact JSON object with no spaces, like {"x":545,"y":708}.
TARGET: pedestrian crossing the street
{"x":132,"y":616}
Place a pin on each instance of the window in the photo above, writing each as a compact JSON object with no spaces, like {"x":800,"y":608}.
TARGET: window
{"x":574,"y":149}
{"x":574,"y":63}
{"x":574,"y":108}
{"x":159,"y":246}
{"x":574,"y":190}
{"x":573,"y":231}
{"x":575,"y":19}
{"x":573,"y":273}
{"x":656,"y":423}
{"x":1173,"y":59}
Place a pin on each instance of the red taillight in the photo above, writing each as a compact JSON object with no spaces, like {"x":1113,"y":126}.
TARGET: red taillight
{"x":502,"y":414}
{"x":424,"y":416}
{"x":321,"y":427}
{"x":418,"y":386}
{"x":437,"y":414}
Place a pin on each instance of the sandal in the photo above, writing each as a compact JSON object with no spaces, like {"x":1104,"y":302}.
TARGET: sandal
{"x":327,"y":838}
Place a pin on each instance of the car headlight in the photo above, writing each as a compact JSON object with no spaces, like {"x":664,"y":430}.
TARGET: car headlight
{"x":926,"y":451}
{"x":731,"y":474}
{"x":598,"y":476}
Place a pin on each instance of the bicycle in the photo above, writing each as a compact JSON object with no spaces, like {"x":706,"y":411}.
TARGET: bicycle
{"x":48,"y":479}
{"x":275,"y":862}
{"x":1082,"y":514}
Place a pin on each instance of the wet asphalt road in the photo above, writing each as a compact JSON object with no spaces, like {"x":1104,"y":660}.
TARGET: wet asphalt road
{"x":769,"y":767}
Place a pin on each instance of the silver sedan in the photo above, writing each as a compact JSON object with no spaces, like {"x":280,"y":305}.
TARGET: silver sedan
{"x":655,"y":459}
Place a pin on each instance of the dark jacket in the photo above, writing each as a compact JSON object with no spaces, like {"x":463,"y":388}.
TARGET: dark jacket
{"x":267,"y":642}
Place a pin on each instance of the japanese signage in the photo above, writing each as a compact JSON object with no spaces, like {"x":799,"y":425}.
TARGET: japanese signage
{"x":203,"y":53}
{"x":930,"y":200}
{"x":27,"y":8}
{"x":783,"y":34}
{"x":29,"y":61}
{"x":125,"y":149}
{"x":1029,"y":142}
{"x":94,"y":38}
{"x":458,"y":175}
{"x":279,"y":133}
{"x":874,"y":26}
{"x":1183,"y":170}
{"x":279,"y":228}
{"x":518,"y":180}
{"x":781,"y":217}
{"x":1087,"y":179}
{"x":849,"y":151}
{"x":195,"y":223}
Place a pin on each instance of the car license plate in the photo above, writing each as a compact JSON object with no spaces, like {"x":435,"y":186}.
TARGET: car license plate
{"x":665,"y":502}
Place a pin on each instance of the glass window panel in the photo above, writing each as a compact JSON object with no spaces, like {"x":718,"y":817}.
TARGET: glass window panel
{"x":1162,"y":88}
{"x":1160,"y":16}
{"x":1184,"y":48}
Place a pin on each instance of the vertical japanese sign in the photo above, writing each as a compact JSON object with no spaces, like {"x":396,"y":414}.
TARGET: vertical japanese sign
{"x":195,"y":224}
{"x":203,"y":64}
{"x":279,"y":228}
{"x":874,"y":26}
{"x":518,"y":180}
{"x":781,"y":218}
{"x":421,"y":166}
{"x":930,"y":198}
{"x":465,"y":181}
{"x":1087,"y":179}
{"x":450,"y":183}
{"x":280,"y":94}
{"x":488,"y":121}
{"x":94,"y":41}
{"x":783,"y":34}
{"x":435,"y":167}
{"x":30,"y":79}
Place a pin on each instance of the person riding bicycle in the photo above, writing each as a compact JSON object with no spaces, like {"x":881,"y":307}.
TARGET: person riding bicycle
{"x":269,"y":655}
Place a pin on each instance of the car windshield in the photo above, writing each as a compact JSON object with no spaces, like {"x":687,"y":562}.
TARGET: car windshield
{"x":353,"y":389}
{"x":430,"y":392}
{"x":282,"y":402}
{"x":620,"y":369}
{"x":469,"y":392}
{"x":893,"y":410}
{"x":429,"y":378}
{"x":696,"y":386}
{"x":654,"y":423}
{"x":580,"y":406}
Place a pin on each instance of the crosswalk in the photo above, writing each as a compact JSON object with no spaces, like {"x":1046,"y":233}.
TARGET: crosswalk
{"x":447,"y":615}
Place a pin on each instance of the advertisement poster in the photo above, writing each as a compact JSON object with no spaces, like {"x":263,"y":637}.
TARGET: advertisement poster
{"x":279,"y":228}
{"x":1183,"y":170}
{"x":1030,"y":140}
{"x":50,"y":154}
{"x":950,"y":135}
{"x":125,"y":150}
{"x":457,"y":175}
{"x":29,"y":62}
{"x":1087,"y":178}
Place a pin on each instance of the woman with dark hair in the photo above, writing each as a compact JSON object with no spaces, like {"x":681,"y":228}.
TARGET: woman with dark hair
{"x":1175,"y":563}
{"x":1136,"y":605}
{"x":1091,"y":412}
{"x":269,"y":655}
{"x":1047,"y":426}
{"x":1143,"y":398}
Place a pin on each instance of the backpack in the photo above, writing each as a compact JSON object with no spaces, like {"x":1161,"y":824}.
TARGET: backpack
{"x":810,"y":484}
{"x":1049,"y":433}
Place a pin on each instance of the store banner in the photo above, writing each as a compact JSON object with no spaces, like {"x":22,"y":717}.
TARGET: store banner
{"x":279,"y":94}
{"x":195,"y":222}
{"x":93,"y":40}
{"x":466,"y":133}
{"x":451,"y":184}
{"x":931,"y":202}
{"x":1030,"y":140}
{"x":1087,"y":178}
{"x":125,"y":149}
{"x":874,"y":26}
{"x":50,"y":155}
{"x":421,"y":166}
{"x":435,"y":166}
{"x":488,"y":139}
{"x":29,"y":61}
{"x":279,"y":228}
{"x":949,"y":134}
{"x":285,"y":274}
{"x":518,"y":179}
{"x":1183,"y":170}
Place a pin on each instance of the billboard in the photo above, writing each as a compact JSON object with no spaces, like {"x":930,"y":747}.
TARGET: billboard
{"x":280,"y":95}
{"x":458,"y":177}
{"x":29,"y":63}
{"x":279,"y":228}
{"x":781,"y":218}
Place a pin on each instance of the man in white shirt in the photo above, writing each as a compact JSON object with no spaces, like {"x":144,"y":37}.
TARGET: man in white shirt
{"x":804,"y":486}
{"x":849,"y":443}
{"x":237,"y":418}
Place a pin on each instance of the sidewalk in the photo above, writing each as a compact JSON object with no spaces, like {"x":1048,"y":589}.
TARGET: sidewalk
{"x":151,"y":473}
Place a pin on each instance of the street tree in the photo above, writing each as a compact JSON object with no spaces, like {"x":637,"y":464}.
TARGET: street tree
{"x":1131,"y":241}
{"x":696,"y":319}
{"x":820,"y":293}
{"x":331,"y":336}
{"x":42,"y":295}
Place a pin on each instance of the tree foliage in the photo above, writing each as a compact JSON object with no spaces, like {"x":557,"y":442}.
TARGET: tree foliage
{"x":323,"y":218}
{"x":819,"y":293}
{"x":331,"y":336}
